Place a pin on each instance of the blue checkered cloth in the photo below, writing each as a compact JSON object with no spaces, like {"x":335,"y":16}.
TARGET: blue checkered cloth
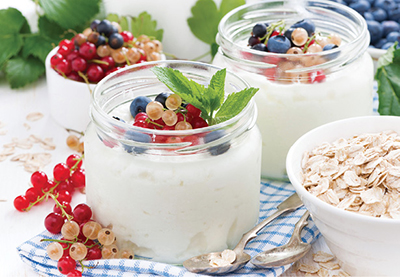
{"x":278,"y":232}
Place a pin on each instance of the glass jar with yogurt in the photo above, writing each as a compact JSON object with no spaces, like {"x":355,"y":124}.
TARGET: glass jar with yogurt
{"x":288,"y":106}
{"x":171,"y":201}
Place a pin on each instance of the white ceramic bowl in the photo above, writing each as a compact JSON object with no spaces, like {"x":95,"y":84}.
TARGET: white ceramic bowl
{"x":69,"y":100}
{"x":365,"y":245}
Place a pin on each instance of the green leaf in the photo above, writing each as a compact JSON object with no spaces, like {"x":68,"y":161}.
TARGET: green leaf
{"x":71,"y":13}
{"x":216,"y":90}
{"x":50,"y":29}
{"x":214,"y":49}
{"x":204,"y":20}
{"x":38,"y":46}
{"x":12,"y":23}
{"x":122,"y":21}
{"x":143,"y":25}
{"x":388,"y":78}
{"x":234,"y":104}
{"x":187,"y":89}
{"x":228,"y":5}
{"x":20,"y":71}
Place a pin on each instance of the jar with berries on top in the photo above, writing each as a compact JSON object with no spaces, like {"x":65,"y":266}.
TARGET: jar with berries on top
{"x":171,"y":183}
{"x":310,"y":62}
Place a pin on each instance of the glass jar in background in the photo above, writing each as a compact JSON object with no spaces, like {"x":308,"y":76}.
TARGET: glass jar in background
{"x":171,"y":201}
{"x":297,"y":93}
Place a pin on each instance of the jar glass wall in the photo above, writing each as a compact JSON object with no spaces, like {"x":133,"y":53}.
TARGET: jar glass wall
{"x":299,"y":93}
{"x":171,"y":201}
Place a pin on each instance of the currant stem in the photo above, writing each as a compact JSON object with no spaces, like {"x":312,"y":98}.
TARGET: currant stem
{"x":308,"y":43}
{"x":85,"y":79}
{"x":63,"y":212}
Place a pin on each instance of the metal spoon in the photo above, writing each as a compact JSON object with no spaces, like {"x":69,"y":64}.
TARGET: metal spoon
{"x":201,"y":263}
{"x":294,"y":250}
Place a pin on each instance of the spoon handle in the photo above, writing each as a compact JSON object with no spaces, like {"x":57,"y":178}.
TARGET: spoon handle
{"x":253,"y":232}
{"x":303,"y":221}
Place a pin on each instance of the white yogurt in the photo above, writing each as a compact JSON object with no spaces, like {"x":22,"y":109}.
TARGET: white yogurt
{"x":172,"y":208}
{"x":287,"y":111}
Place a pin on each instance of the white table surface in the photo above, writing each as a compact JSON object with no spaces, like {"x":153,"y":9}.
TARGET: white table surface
{"x":17,"y":227}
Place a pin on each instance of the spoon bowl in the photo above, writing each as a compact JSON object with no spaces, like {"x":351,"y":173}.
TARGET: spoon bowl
{"x":294,"y":250}
{"x":201,"y":263}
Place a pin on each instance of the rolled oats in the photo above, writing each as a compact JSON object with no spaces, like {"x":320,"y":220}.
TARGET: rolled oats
{"x":360,"y":174}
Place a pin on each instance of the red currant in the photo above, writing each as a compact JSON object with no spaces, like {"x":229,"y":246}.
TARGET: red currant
{"x":141,"y":116}
{"x":95,"y":73}
{"x":66,"y":264}
{"x":39,"y":179}
{"x":127,"y":36}
{"x":64,"y":67}
{"x":67,"y":208}
{"x":316,"y":76}
{"x":78,"y":178}
{"x":94,"y":253}
{"x":61,"y":172}
{"x":82,"y":213}
{"x":64,"y":196}
{"x":199,"y":122}
{"x":55,"y":59}
{"x":73,"y":55}
{"x":192,"y":139}
{"x":193,"y":110}
{"x":79,"y":64}
{"x":67,"y":43}
{"x":21,"y":203}
{"x":74,"y":76}
{"x":32,"y":194}
{"x":74,"y":273}
{"x":64,"y":50}
{"x":53,"y":223}
{"x":174,"y":140}
{"x":87,"y":50}
{"x":110,"y":63}
{"x":65,"y":185}
{"x":72,"y":160}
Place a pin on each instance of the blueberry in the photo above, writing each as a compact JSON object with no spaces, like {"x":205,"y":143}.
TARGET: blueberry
{"x":393,"y":37}
{"x":386,"y":5}
{"x":259,"y":30}
{"x":119,"y":119}
{"x":340,"y":2}
{"x":105,"y":27}
{"x":162,"y":97}
{"x":380,"y":43}
{"x":136,"y":136}
{"x":115,"y":41}
{"x":218,"y":149}
{"x":394,"y":14}
{"x":288,"y":34}
{"x":375,"y":30}
{"x":139,"y":105}
{"x":260,"y":47}
{"x":306,"y":24}
{"x":387,"y":45}
{"x":368,"y":16}
{"x":253,"y":41}
{"x":390,"y":26}
{"x":101,"y":41}
{"x":278,"y":44}
{"x":94,"y":24}
{"x":360,"y":6}
{"x":378,"y":14}
{"x":330,"y":47}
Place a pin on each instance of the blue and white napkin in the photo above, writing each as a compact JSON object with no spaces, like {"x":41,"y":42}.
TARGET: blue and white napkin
{"x":278,"y":232}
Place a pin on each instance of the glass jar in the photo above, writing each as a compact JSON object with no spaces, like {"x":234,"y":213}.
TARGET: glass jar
{"x":171,"y":201}
{"x":299,"y":94}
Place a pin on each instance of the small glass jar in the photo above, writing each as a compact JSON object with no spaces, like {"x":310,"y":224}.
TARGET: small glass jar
{"x":298,"y":93}
{"x":171,"y":201}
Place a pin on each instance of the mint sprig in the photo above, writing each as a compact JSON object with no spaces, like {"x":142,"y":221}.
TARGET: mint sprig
{"x":206,"y":17}
{"x":388,"y":78}
{"x":211,"y":99}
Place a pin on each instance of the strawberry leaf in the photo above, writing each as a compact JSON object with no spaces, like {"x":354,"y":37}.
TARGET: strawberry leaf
{"x":38,"y":46}
{"x":144,"y":25}
{"x":20,"y":71}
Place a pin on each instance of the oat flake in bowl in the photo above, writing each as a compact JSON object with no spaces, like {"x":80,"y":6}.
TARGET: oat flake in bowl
{"x":365,"y":245}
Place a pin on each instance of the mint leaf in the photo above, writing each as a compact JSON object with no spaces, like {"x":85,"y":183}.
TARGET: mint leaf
{"x":187,"y":89}
{"x":216,"y":90}
{"x":12,"y":23}
{"x":71,"y":13}
{"x":121,"y":20}
{"x":20,"y":71}
{"x":37,"y":46}
{"x":206,"y":17}
{"x":234,"y":104}
{"x":388,"y":78}
{"x":143,"y":25}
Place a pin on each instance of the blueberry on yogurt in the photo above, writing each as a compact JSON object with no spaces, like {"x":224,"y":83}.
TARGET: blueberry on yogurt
{"x":139,"y":104}
{"x":218,"y":149}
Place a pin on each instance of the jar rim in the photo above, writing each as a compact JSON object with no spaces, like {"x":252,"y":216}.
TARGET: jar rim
{"x":103,"y":120}
{"x":356,"y":46}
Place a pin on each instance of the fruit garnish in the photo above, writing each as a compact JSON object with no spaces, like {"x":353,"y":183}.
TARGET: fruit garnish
{"x":210,"y":100}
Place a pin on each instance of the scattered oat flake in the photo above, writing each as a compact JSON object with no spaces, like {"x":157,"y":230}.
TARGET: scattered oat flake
{"x":342,"y":273}
{"x":322,"y":272}
{"x":27,"y":126}
{"x":228,"y":255}
{"x":331,"y":265}
{"x":34,"y":116}
{"x":321,"y":256}
{"x":3,"y":157}
{"x":308,"y":268}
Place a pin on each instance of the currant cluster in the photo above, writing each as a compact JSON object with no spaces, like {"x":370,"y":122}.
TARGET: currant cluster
{"x":297,"y":40}
{"x":100,"y":50}
{"x":82,"y":239}
{"x":166,"y":112}
{"x":68,"y":177}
